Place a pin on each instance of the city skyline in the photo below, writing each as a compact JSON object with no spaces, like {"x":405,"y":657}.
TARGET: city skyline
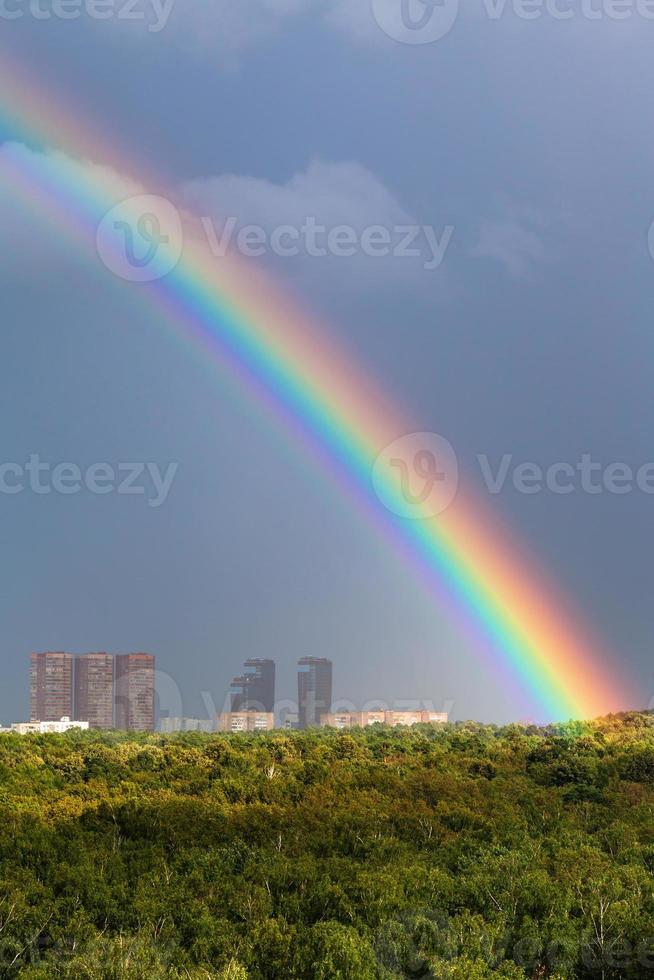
{"x":101,"y":689}
{"x":107,"y":691}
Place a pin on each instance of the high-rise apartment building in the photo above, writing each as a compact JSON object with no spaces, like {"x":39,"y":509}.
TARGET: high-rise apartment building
{"x":314,"y":689}
{"x":51,"y":686}
{"x":254,"y":690}
{"x":94,"y":689}
{"x":134,"y":687}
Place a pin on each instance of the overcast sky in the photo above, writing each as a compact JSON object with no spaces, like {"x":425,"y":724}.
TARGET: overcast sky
{"x":525,"y":144}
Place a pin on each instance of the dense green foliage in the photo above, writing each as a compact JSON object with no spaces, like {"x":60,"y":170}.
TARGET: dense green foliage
{"x":465,"y":852}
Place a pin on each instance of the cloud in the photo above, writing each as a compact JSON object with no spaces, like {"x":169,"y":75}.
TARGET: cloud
{"x":334,"y":218}
{"x":514,"y":241}
{"x":335,"y":224}
{"x":334,"y":193}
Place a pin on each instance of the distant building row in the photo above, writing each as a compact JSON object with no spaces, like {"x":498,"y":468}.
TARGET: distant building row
{"x":396,"y":719}
{"x":104,"y":690}
{"x":254,"y":692}
{"x":261,"y":721}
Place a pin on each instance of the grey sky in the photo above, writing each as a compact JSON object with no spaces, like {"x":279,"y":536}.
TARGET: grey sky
{"x":533,"y":337}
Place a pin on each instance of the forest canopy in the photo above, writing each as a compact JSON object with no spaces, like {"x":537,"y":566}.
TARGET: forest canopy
{"x":462,"y":852}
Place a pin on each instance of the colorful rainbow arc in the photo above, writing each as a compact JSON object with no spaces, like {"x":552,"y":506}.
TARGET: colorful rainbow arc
{"x":240,"y":316}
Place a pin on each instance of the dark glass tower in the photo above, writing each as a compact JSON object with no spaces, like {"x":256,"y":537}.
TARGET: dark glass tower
{"x":254,"y":690}
{"x":314,"y":690}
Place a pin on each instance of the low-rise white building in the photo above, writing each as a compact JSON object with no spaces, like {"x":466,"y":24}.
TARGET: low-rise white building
{"x":47,"y":727}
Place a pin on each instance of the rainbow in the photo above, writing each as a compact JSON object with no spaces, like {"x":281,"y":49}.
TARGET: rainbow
{"x":283,"y":356}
